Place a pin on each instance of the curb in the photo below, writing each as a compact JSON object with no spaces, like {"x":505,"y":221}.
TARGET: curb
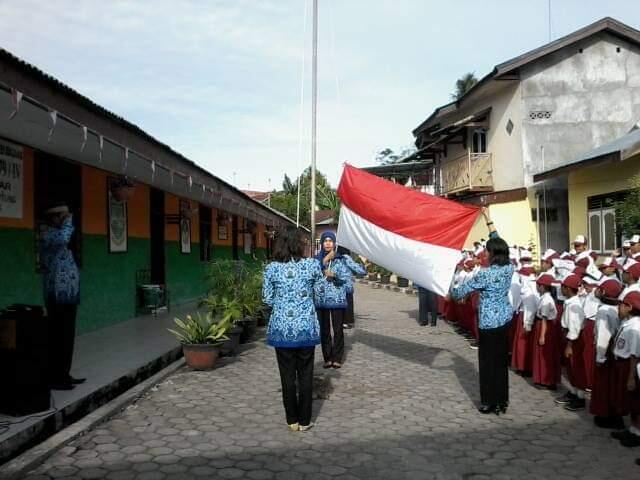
{"x":34,"y":457}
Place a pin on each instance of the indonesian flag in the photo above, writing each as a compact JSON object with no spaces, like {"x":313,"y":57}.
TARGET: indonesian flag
{"x":416,"y":235}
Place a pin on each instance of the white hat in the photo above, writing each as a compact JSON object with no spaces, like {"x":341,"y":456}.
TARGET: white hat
{"x":580,"y":239}
{"x":626,"y":244}
{"x":628,"y":264}
{"x":549,"y":253}
{"x":525,"y":254}
{"x":635,"y":239}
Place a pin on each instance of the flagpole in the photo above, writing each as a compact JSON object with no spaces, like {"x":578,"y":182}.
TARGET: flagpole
{"x":314,"y":106}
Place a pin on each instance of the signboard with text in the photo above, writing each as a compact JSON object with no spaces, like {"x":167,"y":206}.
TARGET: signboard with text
{"x":11,"y":180}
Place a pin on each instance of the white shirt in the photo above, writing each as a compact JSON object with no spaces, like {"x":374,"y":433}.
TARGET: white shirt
{"x":573,"y":317}
{"x":547,"y":309}
{"x":590,"y":305}
{"x":530,"y":300}
{"x":607,"y":324}
{"x":515,"y":294}
{"x":627,"y":342}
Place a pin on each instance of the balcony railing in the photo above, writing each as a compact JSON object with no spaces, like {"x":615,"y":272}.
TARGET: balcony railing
{"x":470,"y":172}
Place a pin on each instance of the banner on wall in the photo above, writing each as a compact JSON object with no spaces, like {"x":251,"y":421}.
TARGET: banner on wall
{"x":11,"y":180}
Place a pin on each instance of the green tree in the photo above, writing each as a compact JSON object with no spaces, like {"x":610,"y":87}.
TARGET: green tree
{"x":389,"y":156}
{"x":463,"y":85}
{"x":628,"y":210}
{"x":286,"y":200}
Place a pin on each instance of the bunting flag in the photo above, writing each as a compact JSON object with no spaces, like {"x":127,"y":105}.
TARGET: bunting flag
{"x":204,"y":189}
{"x":84,"y":138}
{"x":190,"y":182}
{"x":153,"y":170}
{"x":414,"y":234}
{"x":16,"y":99}
{"x":126,"y":159}
{"x":53,"y":116}
{"x":171,"y":172}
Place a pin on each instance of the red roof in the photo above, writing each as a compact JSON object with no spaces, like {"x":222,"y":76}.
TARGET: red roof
{"x":259,"y":196}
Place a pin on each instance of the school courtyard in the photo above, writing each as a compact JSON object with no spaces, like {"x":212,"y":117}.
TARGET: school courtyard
{"x":402,"y":407}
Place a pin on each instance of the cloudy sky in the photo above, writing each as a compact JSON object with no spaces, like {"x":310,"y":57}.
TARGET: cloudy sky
{"x":220,"y":80}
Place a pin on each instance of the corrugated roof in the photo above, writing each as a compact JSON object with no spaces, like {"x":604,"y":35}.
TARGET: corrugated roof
{"x":617,"y":150}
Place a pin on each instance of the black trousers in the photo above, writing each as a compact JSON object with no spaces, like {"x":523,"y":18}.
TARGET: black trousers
{"x":349,"y":315}
{"x":332,"y":346}
{"x":427,"y":307}
{"x":296,"y":375}
{"x":493,"y":361}
{"x":62,"y":336}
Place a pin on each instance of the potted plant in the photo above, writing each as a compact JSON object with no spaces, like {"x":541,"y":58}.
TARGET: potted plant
{"x":250,"y":297}
{"x":229,"y":309}
{"x":372,"y":272}
{"x":385,"y":276}
{"x":403,"y":282}
{"x":122,"y":188}
{"x":201,"y":338}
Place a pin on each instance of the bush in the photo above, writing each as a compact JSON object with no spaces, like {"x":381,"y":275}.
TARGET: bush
{"x":628,"y":210}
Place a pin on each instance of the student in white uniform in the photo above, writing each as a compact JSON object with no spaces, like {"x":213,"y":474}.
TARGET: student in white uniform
{"x":634,"y":247}
{"x":626,"y":350}
{"x":631,"y":274}
{"x":606,"y":326}
{"x":546,"y":361}
{"x":609,"y":268}
{"x":572,"y":322}
{"x":590,"y":304}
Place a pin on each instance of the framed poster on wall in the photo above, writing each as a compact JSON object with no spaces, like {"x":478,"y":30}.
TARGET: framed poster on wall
{"x":248,"y":243}
{"x":185,"y":228}
{"x":222,"y":231}
{"x":117,"y":222}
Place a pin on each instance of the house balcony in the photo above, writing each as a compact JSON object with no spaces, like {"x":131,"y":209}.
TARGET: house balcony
{"x":468,"y":173}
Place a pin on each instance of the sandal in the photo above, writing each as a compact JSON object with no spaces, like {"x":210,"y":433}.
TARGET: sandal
{"x":327,"y":365}
{"x":337,"y":365}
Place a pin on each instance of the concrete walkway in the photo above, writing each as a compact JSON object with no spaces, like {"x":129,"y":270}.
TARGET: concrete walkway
{"x":403,"y":407}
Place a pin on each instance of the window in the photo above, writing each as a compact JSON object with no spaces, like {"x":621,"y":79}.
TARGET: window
{"x":479,"y":141}
{"x":551,"y":214}
{"x":603,"y":231}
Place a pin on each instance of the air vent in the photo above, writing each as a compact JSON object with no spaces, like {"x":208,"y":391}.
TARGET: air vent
{"x":509,"y":127}
{"x":540,"y":115}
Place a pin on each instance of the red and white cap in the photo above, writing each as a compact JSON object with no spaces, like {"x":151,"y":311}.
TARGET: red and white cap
{"x":527,"y":271}
{"x":633,"y":270}
{"x":632,"y":298}
{"x":546,"y":279}
{"x":572,"y":281}
{"x":589,"y":280}
{"x":609,"y":262}
{"x":549,"y":255}
{"x":566,"y":256}
{"x":626,"y":244}
{"x":580,"y":240}
{"x":628,"y":264}
{"x":634,"y":239}
{"x":611,"y":288}
{"x":583,"y":259}
{"x":580,"y":271}
{"x":525,"y":254}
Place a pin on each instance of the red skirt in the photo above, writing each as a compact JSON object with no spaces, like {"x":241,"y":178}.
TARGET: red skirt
{"x":601,"y":397}
{"x":623,"y":401}
{"x":467,"y":316}
{"x":589,"y":353}
{"x":474,"y":309}
{"x":576,"y":371}
{"x":522,"y":349}
{"x":512,"y":332}
{"x":546,"y":362}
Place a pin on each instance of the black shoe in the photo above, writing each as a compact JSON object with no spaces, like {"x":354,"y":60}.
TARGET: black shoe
{"x":62,"y":386}
{"x":565,"y":399}
{"x":76,"y":381}
{"x":486,"y":409}
{"x":622,"y":434}
{"x":632,"y":441}
{"x":575,"y":405}
{"x":502,"y":408}
{"x":539,"y":386}
{"x":347,"y":326}
{"x":615,"y":423}
{"x":473,"y":345}
{"x":637,"y":461}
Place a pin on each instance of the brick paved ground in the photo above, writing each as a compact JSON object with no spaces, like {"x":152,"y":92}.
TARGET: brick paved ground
{"x":402,"y":407}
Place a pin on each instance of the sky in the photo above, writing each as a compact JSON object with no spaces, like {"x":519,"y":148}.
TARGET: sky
{"x":221,"y":81}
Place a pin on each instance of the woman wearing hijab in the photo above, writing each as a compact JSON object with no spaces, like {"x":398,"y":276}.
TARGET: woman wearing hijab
{"x":331,"y":300}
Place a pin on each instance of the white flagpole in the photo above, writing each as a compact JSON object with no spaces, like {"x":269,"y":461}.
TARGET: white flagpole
{"x":314,"y":106}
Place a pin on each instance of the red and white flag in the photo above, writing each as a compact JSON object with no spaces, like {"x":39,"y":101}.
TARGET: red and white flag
{"x":415,"y":235}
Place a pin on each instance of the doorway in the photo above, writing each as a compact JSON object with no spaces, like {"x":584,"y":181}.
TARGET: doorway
{"x":157,"y":230}
{"x":234,"y":235}
{"x":57,"y":180}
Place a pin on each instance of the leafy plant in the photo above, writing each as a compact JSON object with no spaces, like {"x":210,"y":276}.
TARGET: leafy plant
{"x":628,"y":210}
{"x":200,"y":330}
{"x":225,"y":308}
{"x":463,"y":85}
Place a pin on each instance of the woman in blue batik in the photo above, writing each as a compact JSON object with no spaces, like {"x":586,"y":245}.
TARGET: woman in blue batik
{"x":331,"y":300}
{"x":293,"y":328}
{"x":62,"y":294}
{"x":354,"y":270}
{"x":495,"y":313}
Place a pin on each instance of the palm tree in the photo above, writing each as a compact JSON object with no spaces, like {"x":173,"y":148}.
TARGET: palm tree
{"x":463,"y":85}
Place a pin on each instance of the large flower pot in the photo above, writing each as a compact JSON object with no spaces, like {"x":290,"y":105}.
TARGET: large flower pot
{"x":249,"y":329}
{"x":373,"y":277}
{"x":403,"y":282}
{"x":230,"y":347}
{"x":385,"y":279}
{"x":201,"y":357}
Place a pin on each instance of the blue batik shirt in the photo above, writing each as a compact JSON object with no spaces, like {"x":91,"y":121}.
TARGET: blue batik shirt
{"x":494,"y":284}
{"x":61,"y":276}
{"x":331,"y":294}
{"x":355,"y":270}
{"x":288,"y":289}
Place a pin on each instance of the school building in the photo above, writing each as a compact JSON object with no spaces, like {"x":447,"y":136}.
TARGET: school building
{"x":145,"y":216}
